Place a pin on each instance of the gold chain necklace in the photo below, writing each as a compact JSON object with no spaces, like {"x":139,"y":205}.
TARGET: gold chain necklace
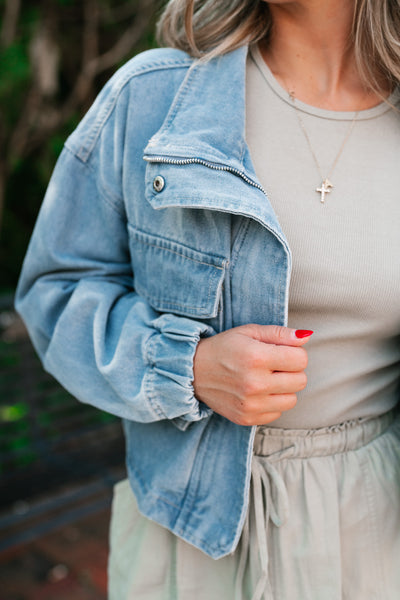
{"x":326,"y":185}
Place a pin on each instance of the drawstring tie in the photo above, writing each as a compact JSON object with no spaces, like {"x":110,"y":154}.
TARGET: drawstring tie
{"x":271,"y":502}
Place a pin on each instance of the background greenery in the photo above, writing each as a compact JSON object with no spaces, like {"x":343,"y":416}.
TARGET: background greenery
{"x":55,"y":55}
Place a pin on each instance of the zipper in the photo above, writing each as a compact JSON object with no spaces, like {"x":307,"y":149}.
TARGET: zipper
{"x":218,"y":167}
{"x":205,"y":163}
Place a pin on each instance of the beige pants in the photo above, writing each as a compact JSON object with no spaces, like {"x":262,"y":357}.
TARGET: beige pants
{"x":323,"y":524}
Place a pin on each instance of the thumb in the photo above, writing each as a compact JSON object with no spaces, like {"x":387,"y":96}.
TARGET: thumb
{"x":280,"y":336}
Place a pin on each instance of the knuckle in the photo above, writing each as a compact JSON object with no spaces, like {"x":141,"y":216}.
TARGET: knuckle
{"x":249,"y":386}
{"x":291,"y":401}
{"x":244,"y":420}
{"x":303,"y":358}
{"x":279,"y":333}
{"x":250,"y":329}
{"x":271,"y":417}
{"x":302,"y":380}
{"x":251,"y":359}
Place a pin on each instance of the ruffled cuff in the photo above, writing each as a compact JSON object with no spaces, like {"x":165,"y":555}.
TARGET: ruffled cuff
{"x":168,"y":382}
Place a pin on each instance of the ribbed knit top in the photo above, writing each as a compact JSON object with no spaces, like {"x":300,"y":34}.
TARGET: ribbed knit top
{"x":345,"y":282}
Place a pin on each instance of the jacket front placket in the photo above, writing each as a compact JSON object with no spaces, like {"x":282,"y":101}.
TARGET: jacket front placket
{"x":199,"y":159}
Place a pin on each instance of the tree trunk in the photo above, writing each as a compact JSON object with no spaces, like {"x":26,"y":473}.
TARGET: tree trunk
{"x":2,"y":192}
{"x":10,"y":21}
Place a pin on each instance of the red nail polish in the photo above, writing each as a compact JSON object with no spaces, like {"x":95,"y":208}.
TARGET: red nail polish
{"x":302,"y":333}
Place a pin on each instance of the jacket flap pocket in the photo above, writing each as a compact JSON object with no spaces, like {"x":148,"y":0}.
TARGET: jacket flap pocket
{"x":174,"y":277}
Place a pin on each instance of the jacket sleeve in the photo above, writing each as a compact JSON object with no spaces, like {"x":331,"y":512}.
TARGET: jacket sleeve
{"x":102,"y":341}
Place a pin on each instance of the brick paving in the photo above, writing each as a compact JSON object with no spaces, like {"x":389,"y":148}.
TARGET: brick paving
{"x":67,"y":564}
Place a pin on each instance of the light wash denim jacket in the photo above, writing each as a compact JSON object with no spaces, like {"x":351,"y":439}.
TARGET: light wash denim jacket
{"x":154,"y":232}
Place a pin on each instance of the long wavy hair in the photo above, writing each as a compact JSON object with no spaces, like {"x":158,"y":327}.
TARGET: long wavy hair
{"x":208,"y":28}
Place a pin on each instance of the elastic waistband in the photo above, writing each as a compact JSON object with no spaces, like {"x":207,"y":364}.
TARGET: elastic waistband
{"x":304,"y":443}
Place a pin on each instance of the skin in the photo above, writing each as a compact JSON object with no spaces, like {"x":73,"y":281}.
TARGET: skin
{"x":251,"y":374}
{"x":310,"y":52}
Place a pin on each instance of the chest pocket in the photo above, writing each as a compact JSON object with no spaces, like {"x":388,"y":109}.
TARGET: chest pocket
{"x":175,"y":278}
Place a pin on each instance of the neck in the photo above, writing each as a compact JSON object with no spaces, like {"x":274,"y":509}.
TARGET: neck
{"x":310,"y":52}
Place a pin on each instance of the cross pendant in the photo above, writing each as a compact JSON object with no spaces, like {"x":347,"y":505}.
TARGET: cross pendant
{"x":325,"y":188}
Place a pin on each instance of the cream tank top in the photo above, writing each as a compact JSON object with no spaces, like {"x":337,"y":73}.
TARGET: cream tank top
{"x":345,"y":281}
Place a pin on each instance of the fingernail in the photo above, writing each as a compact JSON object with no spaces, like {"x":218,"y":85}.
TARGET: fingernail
{"x":302,"y":333}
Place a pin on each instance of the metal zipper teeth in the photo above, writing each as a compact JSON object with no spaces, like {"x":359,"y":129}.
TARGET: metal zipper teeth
{"x":215,"y":166}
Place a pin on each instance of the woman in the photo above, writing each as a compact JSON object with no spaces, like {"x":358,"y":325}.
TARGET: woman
{"x":158,"y":290}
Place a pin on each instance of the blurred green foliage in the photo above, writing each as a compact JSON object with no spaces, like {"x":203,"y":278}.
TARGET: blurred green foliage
{"x":36,"y":413}
{"x":55,"y":55}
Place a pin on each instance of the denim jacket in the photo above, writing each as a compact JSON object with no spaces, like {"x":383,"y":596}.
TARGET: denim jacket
{"x":154,"y":232}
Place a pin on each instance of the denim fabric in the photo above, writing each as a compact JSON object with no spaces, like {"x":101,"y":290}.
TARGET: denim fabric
{"x":133,"y":259}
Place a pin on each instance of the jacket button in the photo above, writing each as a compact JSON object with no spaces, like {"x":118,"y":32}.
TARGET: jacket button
{"x":158,"y":183}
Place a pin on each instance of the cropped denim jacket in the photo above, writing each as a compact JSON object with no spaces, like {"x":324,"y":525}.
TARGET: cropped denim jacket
{"x":154,"y":232}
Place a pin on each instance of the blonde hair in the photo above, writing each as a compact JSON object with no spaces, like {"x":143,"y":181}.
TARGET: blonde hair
{"x":208,"y":28}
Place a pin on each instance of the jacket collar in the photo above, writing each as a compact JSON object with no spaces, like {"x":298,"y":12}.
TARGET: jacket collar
{"x":206,"y":122}
{"x":207,"y":117}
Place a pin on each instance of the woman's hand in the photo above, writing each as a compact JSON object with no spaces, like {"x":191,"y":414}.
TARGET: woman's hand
{"x":250,"y":374}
